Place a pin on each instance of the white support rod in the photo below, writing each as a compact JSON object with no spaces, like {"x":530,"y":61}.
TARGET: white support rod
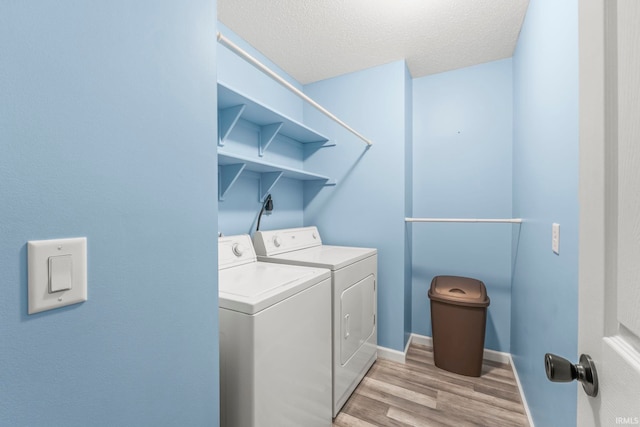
{"x":260,"y":66}
{"x":490,"y":220}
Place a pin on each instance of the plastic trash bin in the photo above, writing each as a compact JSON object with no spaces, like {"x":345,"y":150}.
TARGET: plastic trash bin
{"x":458,"y":321}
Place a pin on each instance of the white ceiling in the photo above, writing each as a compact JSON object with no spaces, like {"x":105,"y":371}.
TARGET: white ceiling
{"x":317,"y":39}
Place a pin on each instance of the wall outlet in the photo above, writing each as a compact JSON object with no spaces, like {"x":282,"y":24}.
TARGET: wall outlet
{"x":555,"y":238}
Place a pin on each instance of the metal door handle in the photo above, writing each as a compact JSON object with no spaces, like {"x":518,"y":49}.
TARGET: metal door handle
{"x":559,"y":369}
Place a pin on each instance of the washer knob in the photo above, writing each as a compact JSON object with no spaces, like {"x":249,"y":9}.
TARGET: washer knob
{"x":277,"y":241}
{"x":238,"y":249}
{"x":314,"y":235}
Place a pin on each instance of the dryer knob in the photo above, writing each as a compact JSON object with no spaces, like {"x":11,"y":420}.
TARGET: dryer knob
{"x":238,"y":249}
{"x":277,"y":241}
{"x":314,"y":235}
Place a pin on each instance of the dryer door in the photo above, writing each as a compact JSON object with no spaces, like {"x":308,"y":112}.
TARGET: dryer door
{"x":356,"y":316}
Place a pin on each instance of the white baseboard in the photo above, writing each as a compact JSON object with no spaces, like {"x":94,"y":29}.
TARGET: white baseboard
{"x":496,"y":356}
{"x":394,"y":355}
{"x":422,"y":340}
{"x":524,"y":399}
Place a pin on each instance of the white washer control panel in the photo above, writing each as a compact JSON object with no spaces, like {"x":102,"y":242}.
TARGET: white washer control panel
{"x":238,"y":249}
{"x":235,"y":250}
{"x":280,"y":241}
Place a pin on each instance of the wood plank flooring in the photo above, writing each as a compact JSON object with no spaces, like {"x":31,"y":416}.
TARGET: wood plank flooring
{"x":418,"y":393}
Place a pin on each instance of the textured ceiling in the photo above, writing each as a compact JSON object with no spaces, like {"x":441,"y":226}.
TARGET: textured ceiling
{"x":317,"y":39}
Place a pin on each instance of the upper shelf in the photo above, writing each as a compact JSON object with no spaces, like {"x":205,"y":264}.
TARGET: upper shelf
{"x":232,"y":106}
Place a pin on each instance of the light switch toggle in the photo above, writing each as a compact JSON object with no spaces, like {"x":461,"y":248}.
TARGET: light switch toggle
{"x":60,"y":268}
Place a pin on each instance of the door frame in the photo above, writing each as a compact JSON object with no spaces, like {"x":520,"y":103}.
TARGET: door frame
{"x":598,"y":191}
{"x":594,"y":160}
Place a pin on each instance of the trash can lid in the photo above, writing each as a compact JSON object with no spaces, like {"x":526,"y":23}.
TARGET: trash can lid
{"x":459,"y":291}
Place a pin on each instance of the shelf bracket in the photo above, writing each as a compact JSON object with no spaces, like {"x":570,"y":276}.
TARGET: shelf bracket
{"x":312,"y":147}
{"x":313,"y":187}
{"x":267,"y":182}
{"x":267,"y":134}
{"x":227,"y":119}
{"x":228,"y":175}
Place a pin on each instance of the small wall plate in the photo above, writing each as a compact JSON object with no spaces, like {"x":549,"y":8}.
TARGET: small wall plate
{"x":38,"y":253}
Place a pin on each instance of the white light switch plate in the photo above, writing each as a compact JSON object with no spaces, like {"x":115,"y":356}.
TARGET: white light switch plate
{"x":42,"y":256}
{"x":555,"y":238}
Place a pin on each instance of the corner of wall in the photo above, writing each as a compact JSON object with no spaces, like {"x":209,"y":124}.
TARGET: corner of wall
{"x":408,"y":200}
{"x":369,"y":195}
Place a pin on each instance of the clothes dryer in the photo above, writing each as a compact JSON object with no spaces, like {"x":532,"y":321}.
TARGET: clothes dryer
{"x":275,"y":340}
{"x":354,"y":298}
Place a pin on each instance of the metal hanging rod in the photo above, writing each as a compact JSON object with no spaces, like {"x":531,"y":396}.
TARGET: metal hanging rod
{"x":260,"y":66}
{"x":489,"y":220}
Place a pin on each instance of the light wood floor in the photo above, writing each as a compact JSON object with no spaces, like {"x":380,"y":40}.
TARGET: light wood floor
{"x":420,"y":394}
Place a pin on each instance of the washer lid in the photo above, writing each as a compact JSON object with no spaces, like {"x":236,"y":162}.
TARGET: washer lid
{"x":252,"y":287}
{"x":325,"y":256}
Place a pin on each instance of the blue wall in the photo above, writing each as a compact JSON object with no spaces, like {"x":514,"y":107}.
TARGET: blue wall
{"x":367,"y":206}
{"x":545,"y":190}
{"x":462,"y":124}
{"x":107,"y":130}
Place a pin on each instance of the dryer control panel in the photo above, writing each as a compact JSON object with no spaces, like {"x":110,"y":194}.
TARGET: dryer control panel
{"x":274,"y":242}
{"x":234,"y":251}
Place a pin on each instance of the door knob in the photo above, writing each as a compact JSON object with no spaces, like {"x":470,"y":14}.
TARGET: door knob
{"x":560,"y":370}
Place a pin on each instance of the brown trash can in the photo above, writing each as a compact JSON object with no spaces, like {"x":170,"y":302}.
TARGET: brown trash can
{"x":458,"y":320}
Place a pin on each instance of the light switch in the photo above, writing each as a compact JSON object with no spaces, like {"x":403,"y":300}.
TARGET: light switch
{"x":57,"y":273}
{"x":60,"y":273}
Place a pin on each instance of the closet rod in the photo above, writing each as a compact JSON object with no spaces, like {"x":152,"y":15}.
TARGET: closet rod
{"x":260,"y":66}
{"x":499,"y":220}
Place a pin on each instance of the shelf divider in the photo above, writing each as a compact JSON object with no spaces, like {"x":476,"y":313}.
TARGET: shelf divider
{"x":227,"y":119}
{"x":228,"y":176}
{"x":267,"y":181}
{"x":267,"y":134}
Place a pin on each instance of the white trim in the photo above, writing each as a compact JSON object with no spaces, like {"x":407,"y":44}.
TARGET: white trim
{"x":522,"y":396}
{"x":392,"y":355}
{"x":406,"y":347}
{"x":496,"y":356}
{"x":399,"y":356}
{"x":422,"y":340}
{"x":395,"y":355}
{"x":490,"y":220}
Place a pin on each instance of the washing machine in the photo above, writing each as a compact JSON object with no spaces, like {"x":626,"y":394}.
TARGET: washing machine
{"x":275,"y":340}
{"x":354,"y":298}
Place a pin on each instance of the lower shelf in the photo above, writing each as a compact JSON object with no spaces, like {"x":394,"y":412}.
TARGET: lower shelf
{"x":230,"y":167}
